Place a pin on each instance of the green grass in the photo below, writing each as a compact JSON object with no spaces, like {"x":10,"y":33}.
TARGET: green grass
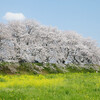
{"x":69,"y":86}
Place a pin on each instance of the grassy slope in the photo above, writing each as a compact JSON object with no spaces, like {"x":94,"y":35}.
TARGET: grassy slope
{"x":69,"y":86}
{"x":40,"y":68}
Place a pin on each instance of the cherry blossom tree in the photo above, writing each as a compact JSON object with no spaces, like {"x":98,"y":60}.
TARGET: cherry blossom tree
{"x":30,"y":41}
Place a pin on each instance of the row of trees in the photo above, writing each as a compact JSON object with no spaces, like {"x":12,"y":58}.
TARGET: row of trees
{"x":30,"y":41}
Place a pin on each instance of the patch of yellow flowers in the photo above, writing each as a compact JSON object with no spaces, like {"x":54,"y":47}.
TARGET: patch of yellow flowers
{"x":28,"y":80}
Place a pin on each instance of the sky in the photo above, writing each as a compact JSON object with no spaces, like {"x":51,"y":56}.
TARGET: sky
{"x":82,"y":16}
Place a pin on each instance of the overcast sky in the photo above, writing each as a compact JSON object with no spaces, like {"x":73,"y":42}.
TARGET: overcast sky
{"x":82,"y":16}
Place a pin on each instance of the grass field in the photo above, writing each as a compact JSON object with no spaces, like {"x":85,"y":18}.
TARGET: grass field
{"x":69,"y":86}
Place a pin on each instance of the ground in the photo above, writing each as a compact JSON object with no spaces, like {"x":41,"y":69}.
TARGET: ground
{"x":69,"y":86}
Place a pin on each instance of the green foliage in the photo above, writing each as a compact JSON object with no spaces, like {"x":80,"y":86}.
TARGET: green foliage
{"x":39,"y":64}
{"x":2,"y":80}
{"x":80,"y":68}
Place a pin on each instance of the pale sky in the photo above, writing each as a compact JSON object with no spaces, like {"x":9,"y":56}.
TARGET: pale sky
{"x":82,"y":16}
